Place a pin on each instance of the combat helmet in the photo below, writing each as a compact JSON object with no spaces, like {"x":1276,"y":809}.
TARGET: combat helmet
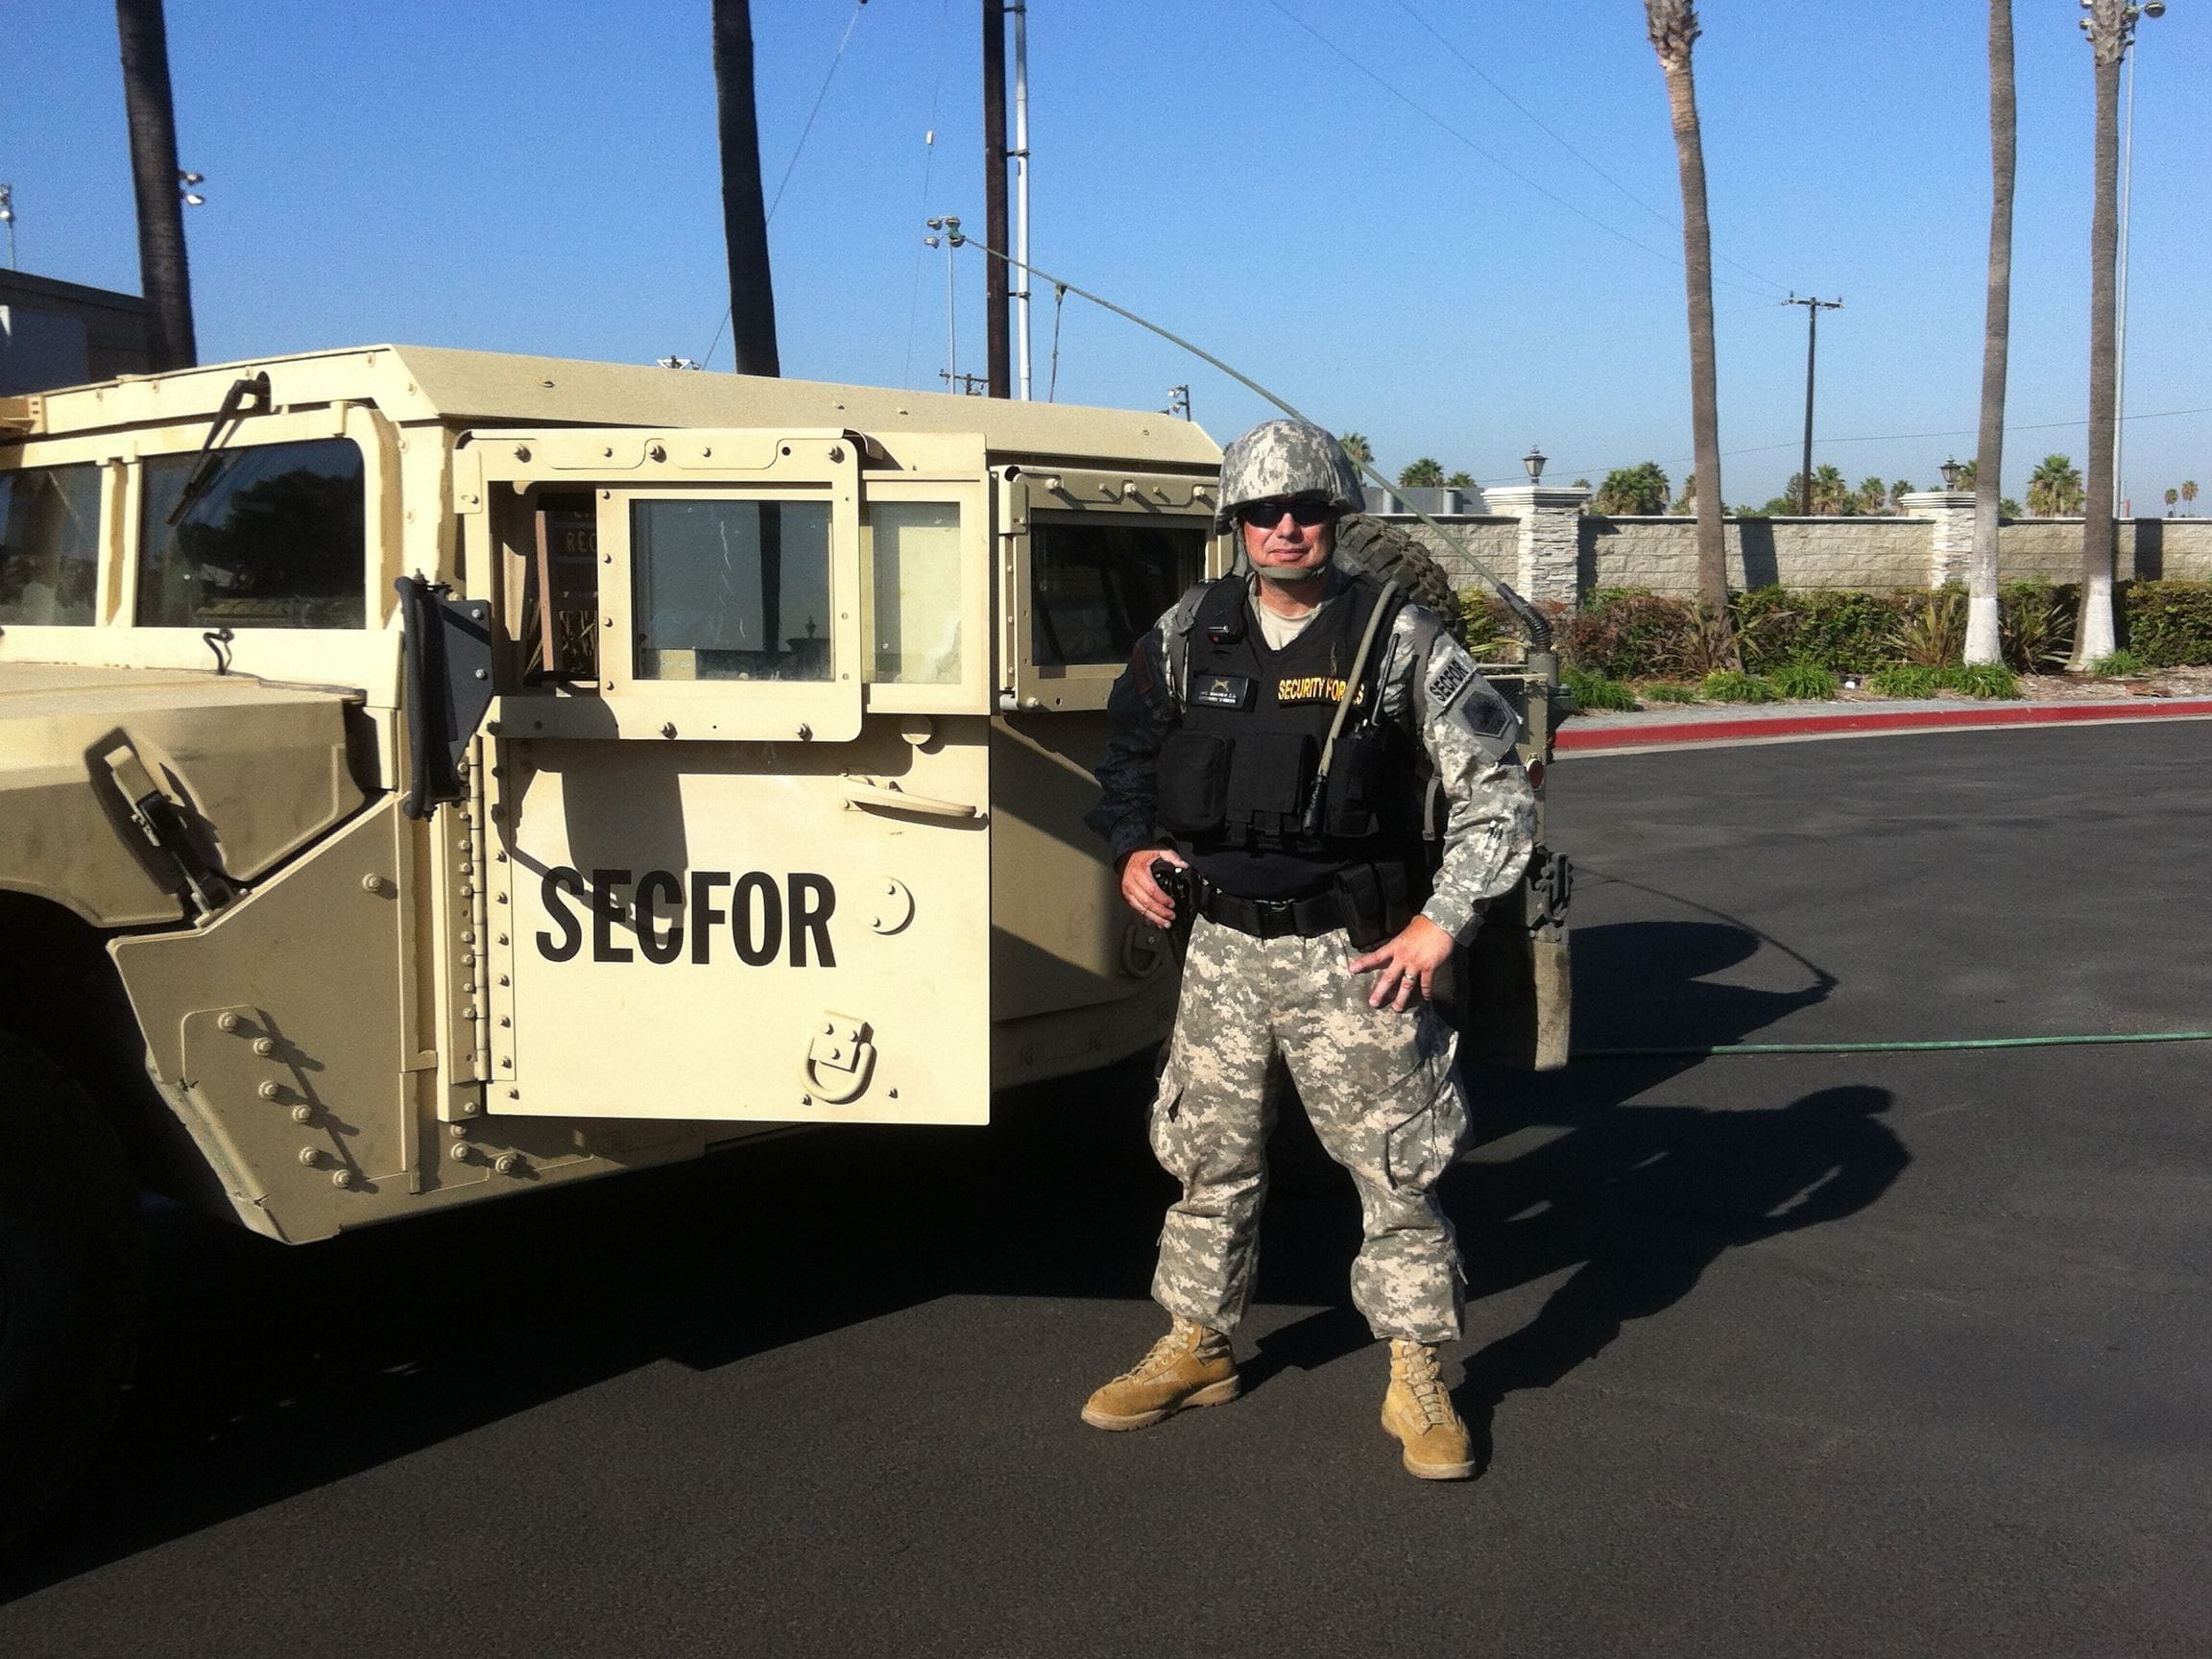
{"x":1286,"y":458}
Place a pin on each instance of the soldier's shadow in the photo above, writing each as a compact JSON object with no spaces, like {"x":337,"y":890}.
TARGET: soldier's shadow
{"x":1580,"y":1170}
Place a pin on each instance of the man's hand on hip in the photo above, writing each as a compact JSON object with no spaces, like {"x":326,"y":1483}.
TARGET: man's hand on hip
{"x":1408,"y":963}
{"x":1141,"y":893}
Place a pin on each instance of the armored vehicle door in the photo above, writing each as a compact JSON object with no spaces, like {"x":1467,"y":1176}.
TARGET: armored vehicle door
{"x":736,"y":809}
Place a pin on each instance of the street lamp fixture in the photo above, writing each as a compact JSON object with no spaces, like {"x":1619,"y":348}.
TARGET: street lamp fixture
{"x":1951,"y":470}
{"x":184,"y":182}
{"x":1534,"y":461}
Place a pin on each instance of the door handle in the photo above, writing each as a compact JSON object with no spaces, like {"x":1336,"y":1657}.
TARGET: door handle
{"x":867,"y":792}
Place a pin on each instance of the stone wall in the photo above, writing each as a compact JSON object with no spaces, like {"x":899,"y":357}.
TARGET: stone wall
{"x":1876,"y":554}
{"x":1494,"y":541}
{"x":1661,"y":554}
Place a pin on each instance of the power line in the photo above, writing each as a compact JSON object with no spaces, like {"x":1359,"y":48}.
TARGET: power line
{"x":1503,"y":166}
{"x":1671,"y":222}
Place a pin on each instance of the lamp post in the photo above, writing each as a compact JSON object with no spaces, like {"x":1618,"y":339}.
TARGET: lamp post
{"x":1951,"y":470}
{"x":8,"y":218}
{"x":1534,"y":461}
{"x":950,"y":239}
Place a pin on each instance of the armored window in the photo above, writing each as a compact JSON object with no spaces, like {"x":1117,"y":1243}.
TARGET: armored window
{"x":733,"y":590}
{"x":275,"y":539}
{"x":916,"y":554}
{"x":49,"y":546}
{"x":1101,"y":582}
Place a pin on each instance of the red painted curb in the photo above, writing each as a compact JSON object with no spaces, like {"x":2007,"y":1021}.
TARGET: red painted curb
{"x":1574,"y":738}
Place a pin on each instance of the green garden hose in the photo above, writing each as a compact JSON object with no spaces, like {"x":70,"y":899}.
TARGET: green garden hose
{"x":1701,"y":1051}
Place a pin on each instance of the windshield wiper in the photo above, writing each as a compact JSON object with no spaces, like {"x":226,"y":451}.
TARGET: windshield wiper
{"x":253,"y":391}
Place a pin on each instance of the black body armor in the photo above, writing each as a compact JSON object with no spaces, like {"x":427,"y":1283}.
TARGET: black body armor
{"x":1235,"y":779}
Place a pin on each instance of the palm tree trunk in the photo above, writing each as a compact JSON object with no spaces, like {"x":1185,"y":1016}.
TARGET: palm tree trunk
{"x":1674,"y":28}
{"x":2093,"y":635}
{"x":163,"y":274}
{"x":1984,"y":640}
{"x":744,"y":219}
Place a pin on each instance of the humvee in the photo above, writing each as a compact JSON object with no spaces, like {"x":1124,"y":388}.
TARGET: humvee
{"x":427,"y":775}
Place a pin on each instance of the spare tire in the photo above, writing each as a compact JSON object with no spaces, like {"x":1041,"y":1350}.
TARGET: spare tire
{"x":1385,"y":551}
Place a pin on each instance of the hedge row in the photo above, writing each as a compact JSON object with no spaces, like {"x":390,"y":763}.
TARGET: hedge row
{"x":1629,"y":635}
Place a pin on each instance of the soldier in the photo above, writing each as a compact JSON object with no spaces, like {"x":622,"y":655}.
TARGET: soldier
{"x":1279,"y":740}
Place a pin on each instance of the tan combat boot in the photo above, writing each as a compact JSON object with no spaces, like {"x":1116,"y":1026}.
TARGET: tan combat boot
{"x":1419,"y":1412}
{"x":1188,"y":1366}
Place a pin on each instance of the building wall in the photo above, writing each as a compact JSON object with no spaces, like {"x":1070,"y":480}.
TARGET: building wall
{"x":64,"y":334}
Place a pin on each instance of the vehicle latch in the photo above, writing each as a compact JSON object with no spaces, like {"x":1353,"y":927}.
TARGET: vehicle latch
{"x":839,"y":1060}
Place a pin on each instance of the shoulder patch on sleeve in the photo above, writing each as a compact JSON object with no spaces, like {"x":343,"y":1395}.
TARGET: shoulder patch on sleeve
{"x":1448,"y":679}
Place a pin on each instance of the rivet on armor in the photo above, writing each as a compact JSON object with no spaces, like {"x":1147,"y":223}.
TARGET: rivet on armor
{"x":225,"y":1021}
{"x":268,"y":1091}
{"x":371,"y":883}
{"x":341,"y":1177}
{"x":263,"y":1045}
{"x":310,"y":1157}
{"x":507,"y":1162}
{"x":303,"y":1114}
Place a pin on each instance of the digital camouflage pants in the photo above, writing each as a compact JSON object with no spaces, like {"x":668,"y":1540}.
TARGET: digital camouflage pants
{"x":1380,"y":1088}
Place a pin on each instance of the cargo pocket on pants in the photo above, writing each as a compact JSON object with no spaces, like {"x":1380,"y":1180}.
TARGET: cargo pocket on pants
{"x":1419,"y":1148}
{"x":1170,"y":1146}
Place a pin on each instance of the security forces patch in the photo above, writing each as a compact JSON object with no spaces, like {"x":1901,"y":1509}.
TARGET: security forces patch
{"x":1222,"y":691}
{"x":1447,"y":682}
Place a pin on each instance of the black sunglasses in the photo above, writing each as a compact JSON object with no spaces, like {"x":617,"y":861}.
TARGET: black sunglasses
{"x":1307,"y":511}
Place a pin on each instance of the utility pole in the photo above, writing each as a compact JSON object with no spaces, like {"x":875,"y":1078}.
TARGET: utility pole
{"x":996,"y":334}
{"x":1020,"y":10}
{"x":1813,"y":310}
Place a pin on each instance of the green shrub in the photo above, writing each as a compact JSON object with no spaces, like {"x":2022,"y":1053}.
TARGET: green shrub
{"x":1595,"y":693}
{"x":1626,"y":634}
{"x":2120,"y":662}
{"x":2034,"y":625}
{"x":1906,"y":680}
{"x":1734,"y":686}
{"x":1802,"y":682}
{"x":1842,"y":630}
{"x":1984,"y":679}
{"x":1932,"y":628}
{"x":1666,"y":691}
{"x":2169,"y":624}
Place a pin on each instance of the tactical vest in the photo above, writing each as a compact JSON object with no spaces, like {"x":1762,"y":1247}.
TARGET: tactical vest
{"x":1236,"y":778}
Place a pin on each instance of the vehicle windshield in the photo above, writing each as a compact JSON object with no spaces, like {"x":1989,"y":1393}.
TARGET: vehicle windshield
{"x":274,"y":541}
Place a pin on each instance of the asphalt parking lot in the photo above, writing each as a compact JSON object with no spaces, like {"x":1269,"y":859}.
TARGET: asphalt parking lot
{"x":1836,"y":1354}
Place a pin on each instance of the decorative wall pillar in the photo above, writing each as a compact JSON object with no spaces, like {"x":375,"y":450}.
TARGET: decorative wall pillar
{"x":1549,"y":566}
{"x":1950,"y":514}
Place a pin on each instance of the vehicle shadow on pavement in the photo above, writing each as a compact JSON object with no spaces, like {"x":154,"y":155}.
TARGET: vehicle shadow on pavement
{"x":268,"y":1371}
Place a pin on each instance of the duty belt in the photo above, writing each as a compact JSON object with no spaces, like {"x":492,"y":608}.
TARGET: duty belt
{"x":1276,"y":918}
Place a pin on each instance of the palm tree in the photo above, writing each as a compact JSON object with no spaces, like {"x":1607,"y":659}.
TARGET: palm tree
{"x":1356,"y":445}
{"x":1982,"y":641}
{"x":1426,"y":473}
{"x":2054,"y":489}
{"x":744,"y":222}
{"x":1673,"y":28}
{"x":2188,"y":490}
{"x":2109,"y":26}
{"x":163,"y":272}
{"x":1873,"y":497}
{"x":2171,"y":497}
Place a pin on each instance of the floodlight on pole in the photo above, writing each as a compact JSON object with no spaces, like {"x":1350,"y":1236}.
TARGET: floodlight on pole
{"x":185,"y":187}
{"x":8,"y":218}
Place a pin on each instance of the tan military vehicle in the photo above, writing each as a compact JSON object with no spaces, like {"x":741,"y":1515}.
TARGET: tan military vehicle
{"x":426,"y":775}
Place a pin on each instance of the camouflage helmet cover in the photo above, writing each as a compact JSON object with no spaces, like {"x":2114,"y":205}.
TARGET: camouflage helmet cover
{"x":1286,"y":458}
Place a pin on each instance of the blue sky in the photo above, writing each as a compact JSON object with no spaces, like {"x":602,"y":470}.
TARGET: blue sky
{"x":1323,"y":192}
